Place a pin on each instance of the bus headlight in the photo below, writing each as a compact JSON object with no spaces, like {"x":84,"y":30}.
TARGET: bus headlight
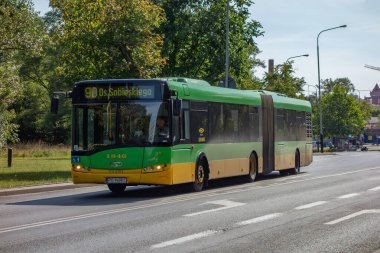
{"x":80,"y":168}
{"x":77,"y":167}
{"x":160,"y":167}
{"x":155,"y":168}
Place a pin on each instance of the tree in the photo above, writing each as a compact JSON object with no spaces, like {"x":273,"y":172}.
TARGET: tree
{"x":282,"y":80}
{"x":108,"y":39}
{"x":343,"y":114}
{"x":329,"y":84}
{"x":20,"y":36}
{"x":195,"y":40}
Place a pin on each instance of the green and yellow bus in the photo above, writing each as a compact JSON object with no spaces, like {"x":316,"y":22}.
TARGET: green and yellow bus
{"x":177,"y":130}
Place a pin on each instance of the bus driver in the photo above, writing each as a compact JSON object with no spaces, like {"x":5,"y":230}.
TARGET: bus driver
{"x":162,"y":130}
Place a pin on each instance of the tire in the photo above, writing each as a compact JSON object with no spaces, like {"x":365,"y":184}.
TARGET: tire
{"x":117,"y":188}
{"x":252,"y":168}
{"x":201,"y":176}
{"x":297,"y":164}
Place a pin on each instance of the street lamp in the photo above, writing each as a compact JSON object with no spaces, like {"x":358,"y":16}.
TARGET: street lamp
{"x":302,"y":55}
{"x":319,"y":84}
{"x":314,"y":86}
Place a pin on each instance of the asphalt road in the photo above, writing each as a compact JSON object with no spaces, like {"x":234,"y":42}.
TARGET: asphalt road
{"x":333,"y":206}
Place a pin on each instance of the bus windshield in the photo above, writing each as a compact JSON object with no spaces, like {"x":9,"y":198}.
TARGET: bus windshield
{"x":131,"y":123}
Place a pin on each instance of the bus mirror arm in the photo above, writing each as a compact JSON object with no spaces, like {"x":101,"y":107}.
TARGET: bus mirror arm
{"x":174,"y":93}
{"x":55,"y":100}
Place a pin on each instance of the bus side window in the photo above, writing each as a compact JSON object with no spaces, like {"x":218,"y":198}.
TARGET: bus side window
{"x":292,"y":127}
{"x":279,"y":125}
{"x":245,"y":130}
{"x":216,"y":124}
{"x":199,"y":122}
{"x":254,"y":123}
{"x":185,"y":130}
{"x":176,"y":129}
{"x":301,"y":126}
{"x":231,"y":123}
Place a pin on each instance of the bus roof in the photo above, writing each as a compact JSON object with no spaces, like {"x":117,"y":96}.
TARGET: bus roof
{"x":282,"y":101}
{"x":201,"y":90}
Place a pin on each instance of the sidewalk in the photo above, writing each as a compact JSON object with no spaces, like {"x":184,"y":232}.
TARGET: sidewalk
{"x":42,"y":188}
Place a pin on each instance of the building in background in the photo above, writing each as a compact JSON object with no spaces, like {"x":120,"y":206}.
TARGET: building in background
{"x":374,"y":97}
{"x":372,"y":129}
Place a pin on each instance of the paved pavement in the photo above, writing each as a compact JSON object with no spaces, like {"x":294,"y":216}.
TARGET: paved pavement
{"x":333,"y":206}
{"x":42,"y":188}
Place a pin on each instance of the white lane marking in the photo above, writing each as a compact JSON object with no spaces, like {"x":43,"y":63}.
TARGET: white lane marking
{"x":259,"y":219}
{"x":318,"y":203}
{"x":375,"y":189}
{"x":348,"y":196}
{"x":225,"y":203}
{"x":172,"y":200}
{"x":292,"y":177}
{"x":353,"y":216}
{"x":184,"y":239}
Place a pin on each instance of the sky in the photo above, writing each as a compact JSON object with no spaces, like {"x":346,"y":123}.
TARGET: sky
{"x":291,"y":28}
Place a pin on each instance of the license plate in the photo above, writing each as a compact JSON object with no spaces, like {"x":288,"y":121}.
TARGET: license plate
{"x":116,"y":180}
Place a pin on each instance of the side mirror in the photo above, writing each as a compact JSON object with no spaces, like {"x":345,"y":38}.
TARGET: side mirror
{"x":177,"y":106}
{"x":54,"y":105}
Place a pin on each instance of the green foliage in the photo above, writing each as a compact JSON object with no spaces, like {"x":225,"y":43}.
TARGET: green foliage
{"x":21,"y":35}
{"x":343,"y":114}
{"x":20,"y":27}
{"x":108,"y":39}
{"x":282,"y":80}
{"x":9,"y":92}
{"x":329,"y":84}
{"x":195,"y":39}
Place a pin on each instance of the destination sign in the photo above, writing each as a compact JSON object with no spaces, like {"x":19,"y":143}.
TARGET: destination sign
{"x":119,"y":92}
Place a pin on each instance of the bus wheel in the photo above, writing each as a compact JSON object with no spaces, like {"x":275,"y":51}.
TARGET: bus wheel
{"x":201,"y":176}
{"x":252,"y":168}
{"x":297,"y":164}
{"x":117,"y":188}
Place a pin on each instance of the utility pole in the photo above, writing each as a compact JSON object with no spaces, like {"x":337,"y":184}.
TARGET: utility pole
{"x":227,"y":40}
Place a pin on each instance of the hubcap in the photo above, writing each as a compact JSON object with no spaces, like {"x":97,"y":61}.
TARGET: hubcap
{"x":200,"y":174}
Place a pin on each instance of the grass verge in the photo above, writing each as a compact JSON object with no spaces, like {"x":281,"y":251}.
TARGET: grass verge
{"x":34,"y":171}
{"x":35,"y":164}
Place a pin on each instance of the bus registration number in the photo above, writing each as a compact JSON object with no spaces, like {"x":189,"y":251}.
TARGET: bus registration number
{"x":116,"y":180}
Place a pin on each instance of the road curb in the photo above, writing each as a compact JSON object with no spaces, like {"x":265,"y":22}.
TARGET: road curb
{"x":42,"y":188}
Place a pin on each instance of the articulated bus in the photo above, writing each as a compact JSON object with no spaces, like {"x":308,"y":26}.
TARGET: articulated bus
{"x":177,"y":130}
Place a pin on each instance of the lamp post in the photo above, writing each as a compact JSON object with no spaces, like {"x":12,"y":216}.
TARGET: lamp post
{"x":319,"y":84}
{"x":302,"y":55}
{"x":314,"y":86}
{"x":227,"y":40}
